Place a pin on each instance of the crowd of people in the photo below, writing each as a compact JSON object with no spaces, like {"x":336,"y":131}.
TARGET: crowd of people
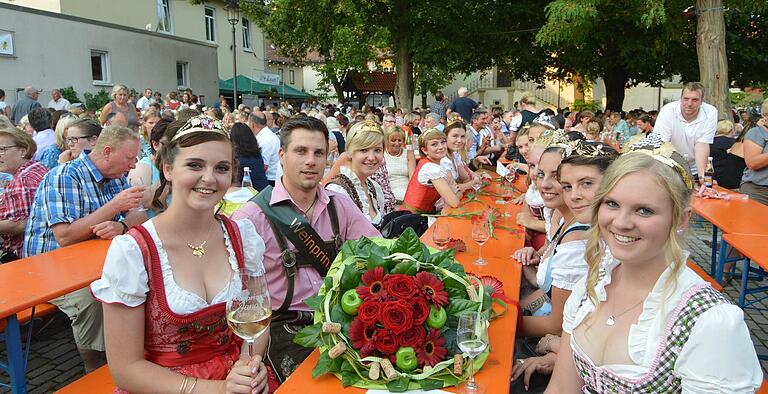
{"x":190,"y":194}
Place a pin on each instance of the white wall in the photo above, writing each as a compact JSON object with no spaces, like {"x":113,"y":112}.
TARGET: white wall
{"x":53,"y":51}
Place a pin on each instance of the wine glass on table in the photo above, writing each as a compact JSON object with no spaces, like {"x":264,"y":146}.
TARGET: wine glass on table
{"x":137,"y":181}
{"x":481,"y":232}
{"x":472,"y":338}
{"x":441,"y":233}
{"x":477,"y":183}
{"x":249,"y":307}
{"x":507,"y":193}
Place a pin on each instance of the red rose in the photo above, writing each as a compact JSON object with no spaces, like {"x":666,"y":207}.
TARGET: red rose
{"x":386,"y":342}
{"x":413,"y":337}
{"x":368,"y":312}
{"x":396,"y":316}
{"x":420,"y":310}
{"x":400,"y":286}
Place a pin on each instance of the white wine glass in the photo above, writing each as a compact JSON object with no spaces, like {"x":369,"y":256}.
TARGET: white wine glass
{"x":481,"y":232}
{"x":472,"y":338}
{"x":441,"y":233}
{"x":137,"y":181}
{"x":249,"y":308}
{"x":477,"y":183}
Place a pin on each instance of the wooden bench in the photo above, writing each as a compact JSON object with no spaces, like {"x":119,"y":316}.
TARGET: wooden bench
{"x":25,"y":316}
{"x":96,"y":382}
{"x":704,"y":275}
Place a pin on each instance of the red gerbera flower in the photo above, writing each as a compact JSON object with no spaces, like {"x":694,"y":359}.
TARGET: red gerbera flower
{"x":494,"y":283}
{"x":432,"y":287}
{"x":373,"y":288}
{"x":362,"y":337}
{"x":433,"y":350}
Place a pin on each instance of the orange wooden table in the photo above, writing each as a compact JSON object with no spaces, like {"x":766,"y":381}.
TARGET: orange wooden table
{"x":741,"y":216}
{"x":495,"y":374}
{"x":38,"y":279}
{"x":755,"y":248}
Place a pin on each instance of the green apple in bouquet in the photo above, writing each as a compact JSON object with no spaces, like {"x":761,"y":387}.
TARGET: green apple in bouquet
{"x":387,"y":313}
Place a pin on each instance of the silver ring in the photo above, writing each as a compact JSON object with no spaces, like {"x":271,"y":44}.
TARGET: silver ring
{"x":521,"y":361}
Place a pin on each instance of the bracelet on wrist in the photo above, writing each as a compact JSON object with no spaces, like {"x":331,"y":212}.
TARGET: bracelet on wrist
{"x":125,"y":226}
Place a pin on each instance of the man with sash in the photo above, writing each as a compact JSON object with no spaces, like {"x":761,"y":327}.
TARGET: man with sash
{"x":303,"y":227}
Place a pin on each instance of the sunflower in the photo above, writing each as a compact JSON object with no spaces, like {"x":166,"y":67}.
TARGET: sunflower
{"x":373,"y":288}
{"x":433,"y":350}
{"x":432,"y":287}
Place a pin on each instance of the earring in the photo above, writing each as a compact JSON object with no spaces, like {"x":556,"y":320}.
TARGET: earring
{"x":679,"y":231}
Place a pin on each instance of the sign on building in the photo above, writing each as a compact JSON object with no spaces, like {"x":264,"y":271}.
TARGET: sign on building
{"x":269,"y":79}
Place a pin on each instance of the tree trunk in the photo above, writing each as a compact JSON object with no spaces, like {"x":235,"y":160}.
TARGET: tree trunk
{"x":713,"y":63}
{"x":578,"y":87}
{"x":615,"y":82}
{"x":404,"y":87}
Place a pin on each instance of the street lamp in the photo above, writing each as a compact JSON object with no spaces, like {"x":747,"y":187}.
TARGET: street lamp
{"x":233,"y":16}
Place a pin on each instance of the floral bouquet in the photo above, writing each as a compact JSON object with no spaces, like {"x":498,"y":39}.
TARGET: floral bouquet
{"x":387,"y":313}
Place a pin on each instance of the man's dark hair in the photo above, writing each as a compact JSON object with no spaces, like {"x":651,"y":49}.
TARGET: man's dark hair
{"x":258,"y":118}
{"x":476,"y":115}
{"x":89,"y":127}
{"x":439,"y":96}
{"x":647,"y":119}
{"x":39,"y":119}
{"x":186,"y":113}
{"x":2,"y":93}
{"x":308,"y":123}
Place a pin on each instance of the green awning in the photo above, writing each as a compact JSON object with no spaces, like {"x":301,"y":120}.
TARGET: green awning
{"x":246,"y":85}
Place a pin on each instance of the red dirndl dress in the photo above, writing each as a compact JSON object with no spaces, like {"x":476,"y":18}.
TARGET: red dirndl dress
{"x":199,"y":344}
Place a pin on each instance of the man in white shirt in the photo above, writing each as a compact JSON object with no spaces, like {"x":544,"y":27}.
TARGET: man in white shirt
{"x":58,"y":103}
{"x":269,"y":143}
{"x":143,"y":103}
{"x":690,"y":124}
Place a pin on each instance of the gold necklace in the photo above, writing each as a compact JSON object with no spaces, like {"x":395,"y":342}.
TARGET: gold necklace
{"x":199,"y":250}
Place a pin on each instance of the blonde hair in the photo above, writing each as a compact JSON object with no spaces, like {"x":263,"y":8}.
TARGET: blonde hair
{"x":429,"y":135}
{"x":147,"y":116}
{"x":364,"y":135}
{"x":114,"y":135}
{"x":724,"y":127}
{"x":528,"y":98}
{"x":593,"y":128}
{"x":671,"y":182}
{"x":117,"y":89}
{"x":61,"y":127}
{"x":20,"y":139}
{"x":393,"y":130}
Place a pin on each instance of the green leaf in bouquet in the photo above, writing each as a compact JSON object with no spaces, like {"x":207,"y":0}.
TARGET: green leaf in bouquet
{"x":315,"y":302}
{"x":407,"y":243}
{"x":457,"y":305}
{"x":326,"y":364}
{"x":449,"y":333}
{"x":456,"y":291}
{"x":350,"y":278}
{"x":406,"y":267}
{"x":338,"y":316}
{"x":442,"y":257}
{"x":364,"y":246}
{"x":449,"y":380}
{"x":348,"y":249}
{"x":487,"y":300}
{"x":310,"y":336}
{"x":430,"y":384}
{"x":376,"y":260}
{"x":348,"y":374}
{"x":400,"y":385}
{"x":328,"y":282}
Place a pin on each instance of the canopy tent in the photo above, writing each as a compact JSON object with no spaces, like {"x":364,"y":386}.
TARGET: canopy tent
{"x":246,"y":85}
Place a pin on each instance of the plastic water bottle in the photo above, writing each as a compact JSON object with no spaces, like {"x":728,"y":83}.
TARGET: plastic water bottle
{"x":247,"y":177}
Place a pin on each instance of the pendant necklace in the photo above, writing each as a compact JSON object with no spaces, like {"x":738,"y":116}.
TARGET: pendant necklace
{"x":199,"y":250}
{"x":613,"y":316}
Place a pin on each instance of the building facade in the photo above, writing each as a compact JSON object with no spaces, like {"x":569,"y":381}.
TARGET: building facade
{"x":54,"y":50}
{"x":205,"y":23}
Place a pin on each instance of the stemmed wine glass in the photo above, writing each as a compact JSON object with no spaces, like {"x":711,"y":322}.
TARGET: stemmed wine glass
{"x":507,"y":193}
{"x":249,"y":308}
{"x":441,"y":233}
{"x":481,"y":232}
{"x":472,"y":338}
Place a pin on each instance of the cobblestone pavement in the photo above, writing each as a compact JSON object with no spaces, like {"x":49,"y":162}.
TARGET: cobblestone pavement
{"x":54,"y":362}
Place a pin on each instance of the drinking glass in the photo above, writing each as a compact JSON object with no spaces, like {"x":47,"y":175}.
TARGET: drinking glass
{"x":441,"y":233}
{"x":507,"y":193}
{"x":481,"y":232}
{"x":477,"y":183}
{"x":472,"y":338}
{"x":139,"y":182}
{"x":249,"y":308}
